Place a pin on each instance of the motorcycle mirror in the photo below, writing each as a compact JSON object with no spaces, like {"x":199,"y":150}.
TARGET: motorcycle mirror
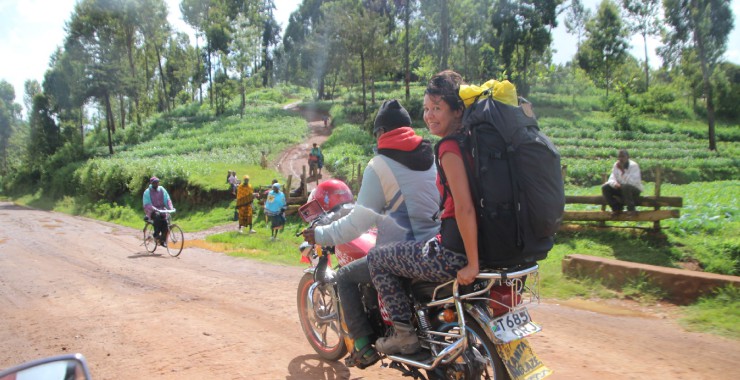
{"x":63,"y":367}
{"x":310,"y":211}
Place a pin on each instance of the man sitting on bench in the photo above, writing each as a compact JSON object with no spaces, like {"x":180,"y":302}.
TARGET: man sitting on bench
{"x":624,"y":185}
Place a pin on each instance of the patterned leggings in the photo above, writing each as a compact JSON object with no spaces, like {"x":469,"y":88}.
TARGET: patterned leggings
{"x":427,"y":261}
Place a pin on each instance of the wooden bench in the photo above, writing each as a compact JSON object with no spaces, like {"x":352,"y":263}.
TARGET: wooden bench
{"x":655,"y":215}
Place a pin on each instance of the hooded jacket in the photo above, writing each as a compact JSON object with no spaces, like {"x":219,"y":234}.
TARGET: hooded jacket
{"x":398,"y":194}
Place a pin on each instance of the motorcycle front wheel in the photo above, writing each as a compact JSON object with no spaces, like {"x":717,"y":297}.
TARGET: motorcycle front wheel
{"x":320,"y":318}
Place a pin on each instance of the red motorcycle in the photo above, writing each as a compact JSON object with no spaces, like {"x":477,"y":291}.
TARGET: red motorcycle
{"x":466,"y":332}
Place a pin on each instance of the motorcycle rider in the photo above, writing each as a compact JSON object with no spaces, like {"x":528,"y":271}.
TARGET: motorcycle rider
{"x":399,"y":196}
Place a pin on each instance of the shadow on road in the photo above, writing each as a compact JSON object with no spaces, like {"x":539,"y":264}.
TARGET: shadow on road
{"x":312,"y":367}
{"x":145,"y":254}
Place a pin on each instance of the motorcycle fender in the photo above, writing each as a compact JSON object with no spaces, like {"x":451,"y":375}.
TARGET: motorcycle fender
{"x":521,"y":362}
{"x":518,"y":356}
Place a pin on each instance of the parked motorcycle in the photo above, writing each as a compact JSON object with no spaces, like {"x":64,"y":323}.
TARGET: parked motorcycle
{"x":466,"y":332}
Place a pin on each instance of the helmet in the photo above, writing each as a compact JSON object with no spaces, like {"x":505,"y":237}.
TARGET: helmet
{"x":331,"y":194}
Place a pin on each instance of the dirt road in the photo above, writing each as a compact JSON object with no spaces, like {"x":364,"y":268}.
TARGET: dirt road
{"x":70,"y":284}
{"x":295,"y":160}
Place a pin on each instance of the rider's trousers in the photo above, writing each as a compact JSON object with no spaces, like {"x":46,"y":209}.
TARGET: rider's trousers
{"x":348,"y":279}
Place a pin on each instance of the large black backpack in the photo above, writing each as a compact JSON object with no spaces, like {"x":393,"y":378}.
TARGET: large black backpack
{"x":515,"y":179}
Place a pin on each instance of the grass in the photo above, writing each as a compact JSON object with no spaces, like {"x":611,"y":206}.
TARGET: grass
{"x":718,"y":314}
{"x":259,"y":246}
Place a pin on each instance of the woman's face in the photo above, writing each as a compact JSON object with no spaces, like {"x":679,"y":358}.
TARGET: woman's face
{"x":439,"y":117}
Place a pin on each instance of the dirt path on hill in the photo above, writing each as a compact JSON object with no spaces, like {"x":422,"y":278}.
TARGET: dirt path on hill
{"x":295,"y":159}
{"x":72,"y":284}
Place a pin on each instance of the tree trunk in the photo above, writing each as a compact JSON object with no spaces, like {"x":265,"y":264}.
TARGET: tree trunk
{"x":606,"y":62}
{"x":121,"y":104}
{"x":110,"y":124}
{"x":372,"y":90}
{"x":200,"y":85}
{"x":406,"y":49}
{"x":647,"y":67}
{"x":705,"y":75}
{"x":243,"y":92}
{"x":132,"y":67}
{"x":444,"y":31}
{"x":364,"y":86}
{"x":265,"y":56}
{"x":82,"y":125}
{"x":210,"y":79}
{"x":164,"y":82}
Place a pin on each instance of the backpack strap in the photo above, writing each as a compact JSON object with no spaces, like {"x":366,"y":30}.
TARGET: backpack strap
{"x":388,"y":182}
{"x":460,"y":138}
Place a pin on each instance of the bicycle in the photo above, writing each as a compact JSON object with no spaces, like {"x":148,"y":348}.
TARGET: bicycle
{"x":175,"y":237}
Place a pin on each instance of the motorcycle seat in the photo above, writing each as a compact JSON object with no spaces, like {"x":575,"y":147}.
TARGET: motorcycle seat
{"x":424,"y":290}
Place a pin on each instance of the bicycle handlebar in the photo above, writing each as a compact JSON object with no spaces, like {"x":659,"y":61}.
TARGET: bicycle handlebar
{"x":165,"y":211}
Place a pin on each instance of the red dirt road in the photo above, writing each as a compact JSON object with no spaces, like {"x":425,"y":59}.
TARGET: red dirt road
{"x":71,"y":284}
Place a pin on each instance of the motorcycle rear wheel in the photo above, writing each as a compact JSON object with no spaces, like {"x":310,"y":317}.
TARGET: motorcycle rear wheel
{"x":478,"y":339}
{"x":320,"y":319}
{"x":480,"y":343}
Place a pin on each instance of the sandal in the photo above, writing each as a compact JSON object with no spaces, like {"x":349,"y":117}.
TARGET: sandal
{"x":362,"y":359}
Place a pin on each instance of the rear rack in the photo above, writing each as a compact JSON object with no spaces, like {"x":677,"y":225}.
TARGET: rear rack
{"x":524,"y":285}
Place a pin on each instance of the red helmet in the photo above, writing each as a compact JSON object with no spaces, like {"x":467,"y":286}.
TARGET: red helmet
{"x":331,"y":194}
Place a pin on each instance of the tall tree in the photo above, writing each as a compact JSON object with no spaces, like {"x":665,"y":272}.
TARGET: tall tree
{"x":64,"y":85}
{"x":156,"y":32}
{"x":243,"y":52}
{"x":361,"y":30}
{"x":606,"y":45}
{"x":45,"y":136}
{"x":405,"y":8}
{"x":270,"y":38}
{"x":703,"y":25}
{"x":8,"y":117}
{"x":31,"y":87}
{"x":642,"y":16}
{"x":523,"y":35}
{"x":180,"y":63}
{"x":194,"y":13}
{"x":469,"y":20}
{"x":94,"y":37}
{"x":576,"y":17}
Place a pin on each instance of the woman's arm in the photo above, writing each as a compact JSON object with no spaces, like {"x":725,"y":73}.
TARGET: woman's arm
{"x":457,"y":180}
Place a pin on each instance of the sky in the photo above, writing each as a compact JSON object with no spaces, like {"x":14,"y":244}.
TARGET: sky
{"x":32,"y":29}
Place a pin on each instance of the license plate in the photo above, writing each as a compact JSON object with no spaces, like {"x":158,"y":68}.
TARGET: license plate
{"x":513,"y":326}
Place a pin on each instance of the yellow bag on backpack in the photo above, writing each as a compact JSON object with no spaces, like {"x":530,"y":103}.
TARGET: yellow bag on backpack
{"x":504,"y":92}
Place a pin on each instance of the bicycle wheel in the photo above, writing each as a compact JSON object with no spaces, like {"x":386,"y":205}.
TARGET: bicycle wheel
{"x":175,"y":240}
{"x":149,"y":242}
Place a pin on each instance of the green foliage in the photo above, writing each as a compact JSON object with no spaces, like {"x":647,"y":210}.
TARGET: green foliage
{"x":605,"y":47}
{"x":347,"y":147}
{"x":709,"y":228}
{"x":623,"y":113}
{"x":258,"y":246}
{"x":643,"y":289}
{"x":726,"y":80}
{"x":718,"y":314}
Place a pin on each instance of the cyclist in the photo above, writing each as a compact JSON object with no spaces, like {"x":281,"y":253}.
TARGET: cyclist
{"x":156,"y":198}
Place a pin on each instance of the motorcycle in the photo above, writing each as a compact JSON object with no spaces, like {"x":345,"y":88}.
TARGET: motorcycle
{"x":476,"y":331}
{"x":62,"y":367}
